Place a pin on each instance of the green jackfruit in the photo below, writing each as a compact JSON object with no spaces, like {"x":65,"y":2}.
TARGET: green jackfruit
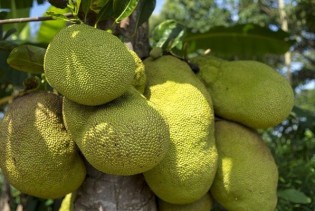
{"x":187,"y":171}
{"x":124,"y":137}
{"x":67,"y":202}
{"x":37,"y":155}
{"x":247,"y":175}
{"x":139,"y":79}
{"x":248,"y":92}
{"x":88,"y":66}
{"x":203,"y":204}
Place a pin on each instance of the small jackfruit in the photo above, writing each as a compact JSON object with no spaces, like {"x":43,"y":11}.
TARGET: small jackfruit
{"x":67,"y":202}
{"x":124,"y":137}
{"x":187,"y":171}
{"x":247,"y":175}
{"x":139,"y":79}
{"x":87,"y":65}
{"x":248,"y":92}
{"x":37,"y":155}
{"x":203,"y":204}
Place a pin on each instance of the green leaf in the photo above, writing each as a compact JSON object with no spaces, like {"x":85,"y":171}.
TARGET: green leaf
{"x":8,"y":75}
{"x":124,"y":8}
{"x":85,"y":6}
{"x":8,"y":33}
{"x":105,"y":13}
{"x":244,"y":41}
{"x":294,"y":196}
{"x":168,"y":35}
{"x":97,"y":5}
{"x":144,"y":11}
{"x":18,"y":3}
{"x":27,"y":58}
{"x":48,"y":29}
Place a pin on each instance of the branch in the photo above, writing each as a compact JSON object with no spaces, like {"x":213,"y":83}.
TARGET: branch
{"x":32,"y":19}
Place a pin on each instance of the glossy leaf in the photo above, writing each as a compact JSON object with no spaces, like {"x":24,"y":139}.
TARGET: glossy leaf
{"x":243,"y":41}
{"x":124,"y":8}
{"x":97,"y":5}
{"x":27,"y":58}
{"x":144,"y":11}
{"x":168,"y":35}
{"x":8,"y":75}
{"x":85,"y":7}
{"x":105,"y":13}
{"x":294,"y":196}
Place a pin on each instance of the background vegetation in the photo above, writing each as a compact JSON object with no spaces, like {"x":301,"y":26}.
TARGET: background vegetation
{"x":232,"y":29}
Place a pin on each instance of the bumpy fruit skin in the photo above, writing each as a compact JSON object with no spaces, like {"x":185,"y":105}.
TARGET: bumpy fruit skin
{"x":203,"y":204}
{"x":248,"y":92}
{"x":37,"y":155}
{"x":247,"y":175}
{"x":124,"y":137}
{"x":187,"y":171}
{"x":139,"y":79}
{"x":88,"y":66}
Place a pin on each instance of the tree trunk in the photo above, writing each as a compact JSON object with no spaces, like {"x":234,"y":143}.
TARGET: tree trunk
{"x":109,"y":192}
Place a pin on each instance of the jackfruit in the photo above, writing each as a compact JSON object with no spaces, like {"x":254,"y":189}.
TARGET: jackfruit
{"x":67,"y":202}
{"x":247,"y":175}
{"x":203,"y":204}
{"x":139,"y":79}
{"x":187,"y":171}
{"x":248,"y":92}
{"x":124,"y":137}
{"x":37,"y":155}
{"x":87,"y":65}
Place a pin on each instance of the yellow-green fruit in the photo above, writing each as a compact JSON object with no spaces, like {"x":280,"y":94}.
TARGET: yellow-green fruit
{"x":67,"y":202}
{"x":248,"y":92}
{"x":88,"y":66}
{"x":124,"y":137}
{"x":139,"y":79}
{"x":37,"y":155}
{"x":187,"y":171}
{"x":203,"y":204}
{"x":247,"y":175}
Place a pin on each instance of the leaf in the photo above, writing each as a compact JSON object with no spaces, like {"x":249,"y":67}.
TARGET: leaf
{"x":18,"y":4}
{"x":105,"y":13}
{"x":7,"y":74}
{"x":97,"y":5}
{"x":85,"y":6}
{"x":124,"y":8}
{"x":27,"y":58}
{"x":144,"y":11}
{"x":294,"y":196}
{"x":48,"y":29}
{"x":168,"y":35}
{"x":243,"y":40}
{"x":8,"y":33}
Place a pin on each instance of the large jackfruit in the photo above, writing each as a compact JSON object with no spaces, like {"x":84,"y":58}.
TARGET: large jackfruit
{"x":247,"y":175}
{"x":124,"y":137}
{"x":37,"y":155}
{"x":187,"y":171}
{"x":88,"y":66}
{"x":202,"y":204}
{"x":248,"y":92}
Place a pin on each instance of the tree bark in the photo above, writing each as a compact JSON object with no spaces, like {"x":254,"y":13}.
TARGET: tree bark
{"x":109,"y":192}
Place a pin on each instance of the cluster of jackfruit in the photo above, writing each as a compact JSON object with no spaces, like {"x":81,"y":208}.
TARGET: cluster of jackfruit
{"x":126,"y":116}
